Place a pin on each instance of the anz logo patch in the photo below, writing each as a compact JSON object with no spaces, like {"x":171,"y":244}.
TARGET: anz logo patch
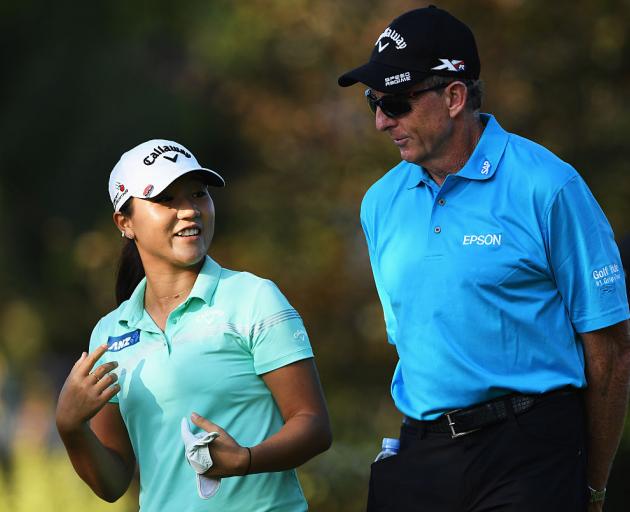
{"x":116,"y":343}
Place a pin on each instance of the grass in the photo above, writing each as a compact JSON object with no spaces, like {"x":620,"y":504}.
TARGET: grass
{"x":44,"y":481}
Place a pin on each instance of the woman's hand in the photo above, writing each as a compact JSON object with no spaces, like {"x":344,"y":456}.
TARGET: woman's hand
{"x":228,"y":457}
{"x":85,"y":391}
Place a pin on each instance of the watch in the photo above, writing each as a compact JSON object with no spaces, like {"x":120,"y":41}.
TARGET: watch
{"x":595,"y":495}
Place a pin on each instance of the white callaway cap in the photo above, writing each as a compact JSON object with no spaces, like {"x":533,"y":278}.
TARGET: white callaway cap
{"x":150,"y":167}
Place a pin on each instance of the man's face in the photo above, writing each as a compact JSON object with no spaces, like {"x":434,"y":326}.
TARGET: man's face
{"x":422,"y":133}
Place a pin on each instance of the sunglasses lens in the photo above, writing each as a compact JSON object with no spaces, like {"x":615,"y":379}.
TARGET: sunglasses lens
{"x":394,"y":106}
{"x":372,"y":101}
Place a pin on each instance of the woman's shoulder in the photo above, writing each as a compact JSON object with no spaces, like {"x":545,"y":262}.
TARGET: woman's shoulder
{"x":244,"y":282}
{"x":107,"y":326}
{"x":112,"y":318}
{"x":247,"y":292}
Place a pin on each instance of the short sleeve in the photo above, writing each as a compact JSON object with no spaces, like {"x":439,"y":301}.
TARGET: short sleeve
{"x":277,"y":334}
{"x":585,"y":259}
{"x":96,"y":339}
{"x":386,"y":303}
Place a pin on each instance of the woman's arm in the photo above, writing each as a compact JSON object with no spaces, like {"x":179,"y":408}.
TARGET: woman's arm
{"x":100,"y":451}
{"x":306,"y":432}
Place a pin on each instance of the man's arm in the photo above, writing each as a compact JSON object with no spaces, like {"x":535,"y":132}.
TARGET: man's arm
{"x":607,"y":353}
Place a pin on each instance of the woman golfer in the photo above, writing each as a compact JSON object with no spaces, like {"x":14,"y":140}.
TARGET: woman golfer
{"x":191,"y":346}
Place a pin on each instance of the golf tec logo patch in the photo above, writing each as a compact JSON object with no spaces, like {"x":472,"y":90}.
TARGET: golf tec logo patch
{"x":607,"y":275}
{"x":395,"y":38}
{"x":116,"y":343}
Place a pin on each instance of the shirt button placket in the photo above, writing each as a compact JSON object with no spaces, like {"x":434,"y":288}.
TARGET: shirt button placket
{"x":438,"y":229}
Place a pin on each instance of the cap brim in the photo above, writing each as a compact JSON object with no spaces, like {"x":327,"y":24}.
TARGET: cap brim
{"x":208,"y":176}
{"x":211,"y":177}
{"x":374,"y":75}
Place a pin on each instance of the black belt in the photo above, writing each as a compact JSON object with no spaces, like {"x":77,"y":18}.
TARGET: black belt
{"x":460,"y":422}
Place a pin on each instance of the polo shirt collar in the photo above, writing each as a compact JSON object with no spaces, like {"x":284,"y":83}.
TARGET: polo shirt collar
{"x":133,"y":309}
{"x":483,"y":162}
{"x":485,"y":159}
{"x":206,"y":282}
{"x":416,"y":175}
{"x":204,"y":288}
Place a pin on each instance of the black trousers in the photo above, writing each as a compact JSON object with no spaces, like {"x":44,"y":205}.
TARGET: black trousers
{"x":533,"y":462}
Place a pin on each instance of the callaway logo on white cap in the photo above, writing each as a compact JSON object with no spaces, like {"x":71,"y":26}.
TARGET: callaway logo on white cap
{"x":150,"y":167}
{"x":161,"y":150}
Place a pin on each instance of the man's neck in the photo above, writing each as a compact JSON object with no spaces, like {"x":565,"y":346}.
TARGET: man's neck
{"x":456,"y":151}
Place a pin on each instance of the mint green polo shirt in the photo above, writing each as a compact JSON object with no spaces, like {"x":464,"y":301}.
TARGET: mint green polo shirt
{"x":232,"y":328}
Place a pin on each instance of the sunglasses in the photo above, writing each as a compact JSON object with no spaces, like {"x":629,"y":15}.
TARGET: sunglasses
{"x":396,"y":105}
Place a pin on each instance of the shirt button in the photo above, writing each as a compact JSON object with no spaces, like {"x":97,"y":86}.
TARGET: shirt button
{"x":437,"y":229}
{"x":442,"y":201}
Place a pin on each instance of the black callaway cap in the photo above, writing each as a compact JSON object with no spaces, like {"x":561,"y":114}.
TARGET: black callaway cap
{"x":418,"y":44}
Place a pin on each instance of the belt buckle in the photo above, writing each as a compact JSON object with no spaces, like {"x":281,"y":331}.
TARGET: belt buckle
{"x":451,"y":424}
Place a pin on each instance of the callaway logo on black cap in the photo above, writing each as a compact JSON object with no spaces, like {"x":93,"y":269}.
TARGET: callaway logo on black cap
{"x":396,"y":38}
{"x":418,"y":44}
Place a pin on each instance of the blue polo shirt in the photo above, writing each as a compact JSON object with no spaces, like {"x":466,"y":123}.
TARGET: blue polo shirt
{"x":231,"y":329}
{"x":486,"y":281}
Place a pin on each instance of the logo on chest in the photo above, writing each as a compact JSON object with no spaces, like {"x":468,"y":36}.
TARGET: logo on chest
{"x":116,"y":343}
{"x":482,"y":239}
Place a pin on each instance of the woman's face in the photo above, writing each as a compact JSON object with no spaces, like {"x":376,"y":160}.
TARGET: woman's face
{"x":174,"y":228}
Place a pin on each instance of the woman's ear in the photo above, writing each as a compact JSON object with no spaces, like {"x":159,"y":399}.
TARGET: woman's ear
{"x":124,"y":224}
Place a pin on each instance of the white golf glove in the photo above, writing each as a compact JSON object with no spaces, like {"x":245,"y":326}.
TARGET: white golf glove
{"x":198,"y":456}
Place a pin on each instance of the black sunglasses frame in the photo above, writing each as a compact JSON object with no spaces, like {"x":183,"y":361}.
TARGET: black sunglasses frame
{"x":396,"y":105}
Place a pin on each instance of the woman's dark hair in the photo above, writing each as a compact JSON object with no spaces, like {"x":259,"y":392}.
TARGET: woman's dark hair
{"x":130,"y":269}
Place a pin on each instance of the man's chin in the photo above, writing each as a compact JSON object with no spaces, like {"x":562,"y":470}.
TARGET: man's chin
{"x":406,"y":155}
{"x":412,"y":157}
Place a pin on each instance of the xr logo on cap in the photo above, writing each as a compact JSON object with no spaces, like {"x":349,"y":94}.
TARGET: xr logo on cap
{"x":450,"y":65}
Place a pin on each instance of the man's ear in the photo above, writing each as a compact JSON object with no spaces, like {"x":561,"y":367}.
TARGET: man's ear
{"x":456,"y":96}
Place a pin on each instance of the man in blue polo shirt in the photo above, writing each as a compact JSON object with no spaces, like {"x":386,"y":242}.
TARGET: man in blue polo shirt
{"x":502,"y":290}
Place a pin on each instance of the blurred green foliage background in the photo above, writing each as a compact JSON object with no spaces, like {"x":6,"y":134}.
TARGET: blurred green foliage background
{"x":250,"y":87}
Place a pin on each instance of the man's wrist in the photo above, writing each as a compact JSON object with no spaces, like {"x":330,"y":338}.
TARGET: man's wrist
{"x":596,"y":495}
